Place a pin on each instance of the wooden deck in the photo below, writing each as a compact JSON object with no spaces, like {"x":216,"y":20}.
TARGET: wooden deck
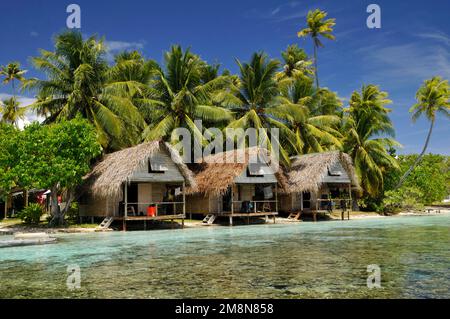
{"x":141,"y":218}
{"x":257,"y":214}
{"x":248,"y":216}
{"x":148,"y":218}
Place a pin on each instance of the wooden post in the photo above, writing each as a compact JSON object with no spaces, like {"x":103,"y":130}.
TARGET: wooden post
{"x":6,"y":206}
{"x":126,"y":207}
{"x":232,"y":199}
{"x":231,"y":220}
{"x":184,"y":200}
{"x":276,"y":198}
{"x":301,"y":201}
{"x":26,"y":196}
{"x":351,"y":201}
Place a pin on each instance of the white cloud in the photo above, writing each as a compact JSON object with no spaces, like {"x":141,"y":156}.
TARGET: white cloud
{"x":34,"y":34}
{"x":115,"y":46}
{"x":31,"y":115}
{"x":405,"y":63}
{"x":437,"y":36}
{"x":281,"y":13}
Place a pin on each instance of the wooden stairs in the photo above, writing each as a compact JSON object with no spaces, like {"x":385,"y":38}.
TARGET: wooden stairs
{"x":209,"y":219}
{"x":106,"y":223}
{"x":295,"y":216}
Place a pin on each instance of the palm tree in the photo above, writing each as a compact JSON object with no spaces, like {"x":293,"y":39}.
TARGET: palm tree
{"x":132,"y":68}
{"x":307,"y":132}
{"x":11,"y":73}
{"x":317,"y":27}
{"x":253,"y":95}
{"x":78,"y":82}
{"x":12,"y":112}
{"x":433,"y":97}
{"x":296,"y":62}
{"x":186,"y":88}
{"x":368,"y":136}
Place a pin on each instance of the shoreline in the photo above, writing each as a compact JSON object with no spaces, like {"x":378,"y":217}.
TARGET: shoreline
{"x":11,"y":229}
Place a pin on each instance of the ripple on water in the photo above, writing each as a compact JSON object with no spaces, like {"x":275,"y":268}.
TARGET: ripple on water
{"x":307,"y":260}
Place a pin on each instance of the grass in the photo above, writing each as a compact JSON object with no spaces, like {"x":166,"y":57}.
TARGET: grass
{"x":10,"y":222}
{"x":83,"y":225}
{"x":442,"y":204}
{"x":16,"y":222}
{"x":337,"y":214}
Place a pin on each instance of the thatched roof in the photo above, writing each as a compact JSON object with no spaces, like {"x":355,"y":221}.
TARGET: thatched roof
{"x":307,"y":172}
{"x":218,"y":172}
{"x":107,"y":177}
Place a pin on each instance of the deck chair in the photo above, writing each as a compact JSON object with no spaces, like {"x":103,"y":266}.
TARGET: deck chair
{"x":131,"y":211}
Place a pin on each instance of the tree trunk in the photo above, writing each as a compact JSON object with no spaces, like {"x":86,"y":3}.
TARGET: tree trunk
{"x":57,"y":217}
{"x":6,"y":206}
{"x":419,"y":158}
{"x":58,"y":214}
{"x":25,"y":197}
{"x":316,"y":69}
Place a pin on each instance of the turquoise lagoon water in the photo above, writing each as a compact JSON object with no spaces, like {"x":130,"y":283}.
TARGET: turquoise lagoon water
{"x":302,"y":260}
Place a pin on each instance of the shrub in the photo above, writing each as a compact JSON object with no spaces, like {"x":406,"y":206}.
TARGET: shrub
{"x":31,"y":214}
{"x":406,"y":198}
{"x":73,"y":213}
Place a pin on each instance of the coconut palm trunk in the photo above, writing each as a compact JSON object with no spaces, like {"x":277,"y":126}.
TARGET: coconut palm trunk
{"x":316,"y":68}
{"x":419,"y":158}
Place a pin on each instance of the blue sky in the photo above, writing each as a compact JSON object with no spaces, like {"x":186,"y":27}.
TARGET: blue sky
{"x":412,"y":45}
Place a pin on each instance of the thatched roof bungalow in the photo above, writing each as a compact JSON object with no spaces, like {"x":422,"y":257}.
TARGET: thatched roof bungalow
{"x":315,"y":179}
{"x":237,"y":182}
{"x":125,"y":183}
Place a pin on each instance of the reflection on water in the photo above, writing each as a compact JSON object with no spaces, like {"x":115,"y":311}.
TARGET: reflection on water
{"x":307,"y":260}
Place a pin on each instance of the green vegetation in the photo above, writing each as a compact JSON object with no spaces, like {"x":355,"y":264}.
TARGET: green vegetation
{"x":32,"y":214}
{"x":431,"y":176}
{"x":10,"y":108}
{"x":433,"y":98}
{"x":427,"y":184}
{"x":365,"y":120}
{"x":79,"y":81}
{"x":89,"y":103}
{"x":54,"y":157}
{"x":318,"y":27}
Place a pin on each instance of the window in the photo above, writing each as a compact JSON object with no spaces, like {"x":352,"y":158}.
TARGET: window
{"x":156,"y":165}
{"x":255,"y":170}
{"x":334,"y":172}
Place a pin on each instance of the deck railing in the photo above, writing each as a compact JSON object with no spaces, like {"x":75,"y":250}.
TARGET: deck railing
{"x":336,"y":204}
{"x":162,"y":208}
{"x":258,"y":206}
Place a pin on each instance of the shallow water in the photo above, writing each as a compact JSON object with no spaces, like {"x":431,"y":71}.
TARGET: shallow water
{"x":306,"y":260}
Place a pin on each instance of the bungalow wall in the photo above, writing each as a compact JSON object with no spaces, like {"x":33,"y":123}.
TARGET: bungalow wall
{"x":151,"y":187}
{"x":201,"y":204}
{"x":197,"y":204}
{"x":292,"y":202}
{"x":97,"y":207}
{"x":101,"y":207}
{"x":149,"y":193}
